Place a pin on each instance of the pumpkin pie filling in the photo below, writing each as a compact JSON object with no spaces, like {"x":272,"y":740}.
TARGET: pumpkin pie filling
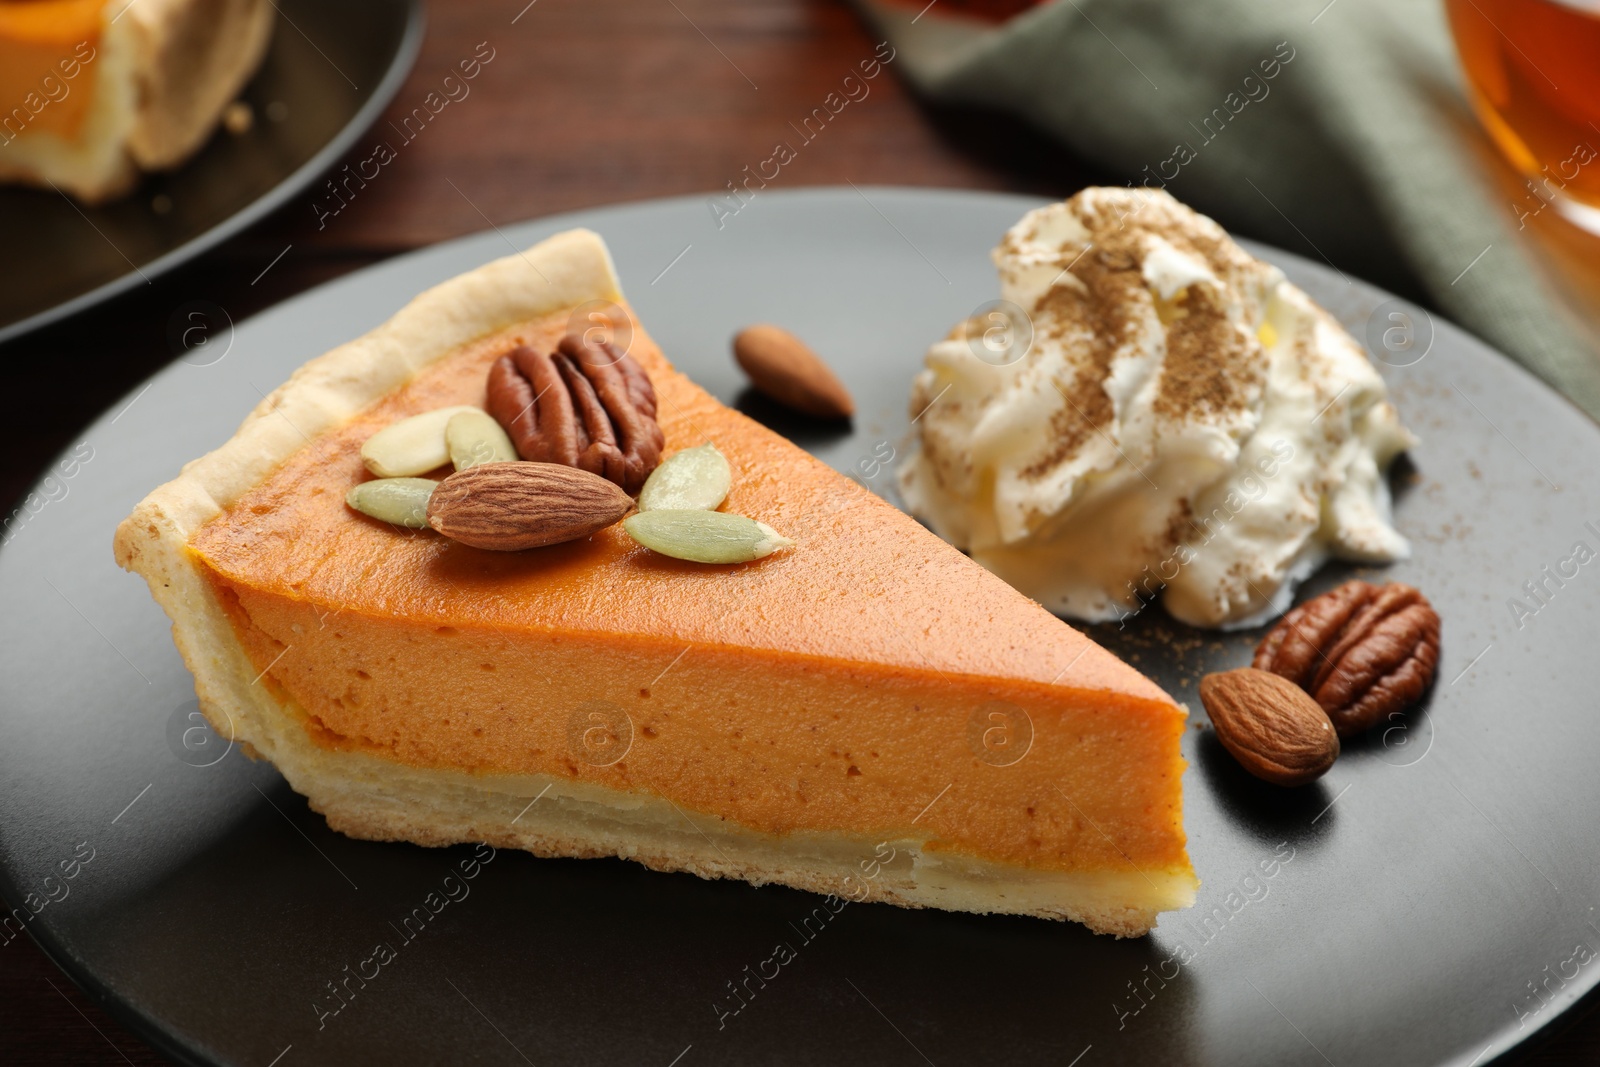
{"x":44,"y":45}
{"x":813,"y":691}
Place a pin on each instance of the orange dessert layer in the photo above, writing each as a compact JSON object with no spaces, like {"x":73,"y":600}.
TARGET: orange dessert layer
{"x":47,"y":52}
{"x":817,"y":689}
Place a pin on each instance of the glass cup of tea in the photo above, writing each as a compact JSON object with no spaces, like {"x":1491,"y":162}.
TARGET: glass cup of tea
{"x":1533,"y":72}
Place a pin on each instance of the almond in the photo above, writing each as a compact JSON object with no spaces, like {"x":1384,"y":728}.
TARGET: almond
{"x":781,"y":366}
{"x":505,"y":507}
{"x":1270,"y":725}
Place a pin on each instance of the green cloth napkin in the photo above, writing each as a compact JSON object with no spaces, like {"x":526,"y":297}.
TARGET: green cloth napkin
{"x":1359,"y":150}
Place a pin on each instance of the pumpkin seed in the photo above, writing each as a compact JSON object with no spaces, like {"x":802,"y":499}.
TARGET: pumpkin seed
{"x":704,"y":536}
{"x":473,"y":437}
{"x":695,"y":479}
{"x":411,"y":446}
{"x":401,"y":501}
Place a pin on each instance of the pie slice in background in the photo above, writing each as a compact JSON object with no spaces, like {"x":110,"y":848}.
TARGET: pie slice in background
{"x":94,"y":92}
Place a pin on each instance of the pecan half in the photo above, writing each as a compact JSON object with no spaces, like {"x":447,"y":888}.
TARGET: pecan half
{"x":586,"y":405}
{"x":1362,"y":651}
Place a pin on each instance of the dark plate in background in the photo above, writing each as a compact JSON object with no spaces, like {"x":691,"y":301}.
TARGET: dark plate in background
{"x":330,"y":71}
{"x":1429,"y":902}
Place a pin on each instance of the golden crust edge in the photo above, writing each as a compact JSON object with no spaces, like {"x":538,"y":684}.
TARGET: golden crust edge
{"x":734,"y":852}
{"x":367,"y":797}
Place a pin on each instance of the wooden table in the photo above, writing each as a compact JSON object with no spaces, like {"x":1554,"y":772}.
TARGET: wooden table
{"x":586,"y":103}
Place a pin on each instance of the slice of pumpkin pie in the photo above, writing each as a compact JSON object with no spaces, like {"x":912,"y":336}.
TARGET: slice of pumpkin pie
{"x":94,"y":93}
{"x":864,"y":712}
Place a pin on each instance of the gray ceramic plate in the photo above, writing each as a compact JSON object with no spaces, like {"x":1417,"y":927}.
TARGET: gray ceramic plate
{"x":329,"y":72}
{"x":1429,"y":902}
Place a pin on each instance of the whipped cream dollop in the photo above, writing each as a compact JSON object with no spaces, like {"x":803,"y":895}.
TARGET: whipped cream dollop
{"x":1155,"y":413}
